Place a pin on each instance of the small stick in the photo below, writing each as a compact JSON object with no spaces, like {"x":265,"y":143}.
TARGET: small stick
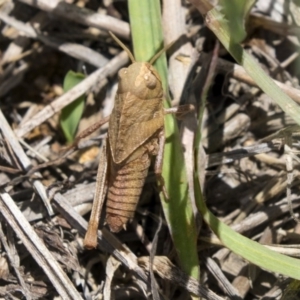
{"x":24,"y":160}
{"x":83,"y":16}
{"x":47,"y":112}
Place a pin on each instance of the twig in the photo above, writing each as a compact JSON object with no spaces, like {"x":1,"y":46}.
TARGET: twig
{"x":82,"y":16}
{"x":24,"y":160}
{"x":111,"y":267}
{"x":37,"y":249}
{"x":154,"y":285}
{"x":216,"y":271}
{"x":95,"y":78}
{"x":46,"y":160}
{"x":14,"y":79}
{"x":17,"y":46}
{"x":239,"y":73}
{"x":174,"y":30}
{"x":12,"y":254}
{"x":105,"y":239}
{"x":216,"y":159}
{"x":75,"y":50}
{"x":290,"y":176}
{"x":267,"y":214}
{"x":188,"y":128}
{"x":163,"y":267}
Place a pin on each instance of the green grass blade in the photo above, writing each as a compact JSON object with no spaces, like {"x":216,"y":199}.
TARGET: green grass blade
{"x":292,"y":291}
{"x":147,"y":38}
{"x":219,"y":26}
{"x":248,"y":249}
{"x":70,"y":116}
{"x":235,"y":13}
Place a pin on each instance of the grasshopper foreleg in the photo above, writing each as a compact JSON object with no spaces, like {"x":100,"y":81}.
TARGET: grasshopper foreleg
{"x":159,"y":163}
{"x":180,"y":111}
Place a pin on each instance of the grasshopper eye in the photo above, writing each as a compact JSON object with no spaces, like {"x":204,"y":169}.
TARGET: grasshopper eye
{"x":122,"y":72}
{"x":150,"y":80}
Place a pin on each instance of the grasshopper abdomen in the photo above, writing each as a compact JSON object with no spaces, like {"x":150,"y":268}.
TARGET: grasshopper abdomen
{"x":125,"y":185}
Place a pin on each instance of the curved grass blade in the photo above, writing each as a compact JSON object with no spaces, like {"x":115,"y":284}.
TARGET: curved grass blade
{"x":236,"y":13}
{"x":248,"y":249}
{"x":219,"y":26}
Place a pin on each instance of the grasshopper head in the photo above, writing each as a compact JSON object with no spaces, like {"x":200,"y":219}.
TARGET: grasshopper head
{"x":140,"y":79}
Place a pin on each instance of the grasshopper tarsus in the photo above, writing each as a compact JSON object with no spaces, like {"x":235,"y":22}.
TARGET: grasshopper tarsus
{"x":180,"y":111}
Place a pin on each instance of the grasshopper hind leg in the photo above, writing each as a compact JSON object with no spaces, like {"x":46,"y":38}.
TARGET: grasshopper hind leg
{"x":90,"y":239}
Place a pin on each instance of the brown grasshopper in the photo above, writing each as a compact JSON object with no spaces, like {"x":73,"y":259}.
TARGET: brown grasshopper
{"x":135,"y":135}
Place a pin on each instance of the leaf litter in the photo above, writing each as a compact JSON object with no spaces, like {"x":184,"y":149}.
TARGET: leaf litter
{"x":246,"y":137}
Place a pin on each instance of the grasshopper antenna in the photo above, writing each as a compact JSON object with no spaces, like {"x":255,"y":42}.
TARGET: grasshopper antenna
{"x":159,"y":53}
{"x":123,"y":47}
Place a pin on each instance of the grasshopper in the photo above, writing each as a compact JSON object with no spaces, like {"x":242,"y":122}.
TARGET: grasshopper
{"x":135,"y":135}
